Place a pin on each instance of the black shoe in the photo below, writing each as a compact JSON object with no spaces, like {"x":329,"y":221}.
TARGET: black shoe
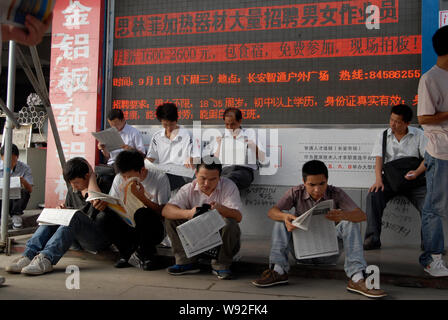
{"x":122,"y":263}
{"x":369,"y":244}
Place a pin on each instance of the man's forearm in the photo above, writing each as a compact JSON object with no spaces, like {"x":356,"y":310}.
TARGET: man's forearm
{"x":433,"y":119}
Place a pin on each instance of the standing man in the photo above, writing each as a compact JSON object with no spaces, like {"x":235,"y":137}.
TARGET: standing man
{"x":172,"y":144}
{"x":221,"y":194}
{"x":238,"y":150}
{"x":22,"y":170}
{"x":401,"y":141}
{"x":432,"y":112}
{"x":346,"y":214}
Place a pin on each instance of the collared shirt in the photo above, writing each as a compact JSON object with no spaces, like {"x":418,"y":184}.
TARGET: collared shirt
{"x":156,"y":185}
{"x":131,"y":137}
{"x":21,"y":170}
{"x":301,"y":200}
{"x":432,"y":99}
{"x":411,"y":145}
{"x":235,"y":150}
{"x":226,"y":193}
{"x":175,"y":151}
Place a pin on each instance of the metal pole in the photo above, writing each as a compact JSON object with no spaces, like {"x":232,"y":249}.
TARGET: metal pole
{"x":7,"y":132}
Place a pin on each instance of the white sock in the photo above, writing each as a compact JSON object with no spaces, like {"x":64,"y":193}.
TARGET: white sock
{"x":279,"y":269}
{"x":357,"y":276}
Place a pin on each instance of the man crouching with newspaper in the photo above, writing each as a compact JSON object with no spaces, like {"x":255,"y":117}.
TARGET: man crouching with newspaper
{"x":345,"y":213}
{"x":223,"y":196}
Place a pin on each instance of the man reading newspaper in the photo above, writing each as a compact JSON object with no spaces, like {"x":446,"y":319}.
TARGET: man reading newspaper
{"x":50,"y":242}
{"x":223,"y":196}
{"x":345,"y":213}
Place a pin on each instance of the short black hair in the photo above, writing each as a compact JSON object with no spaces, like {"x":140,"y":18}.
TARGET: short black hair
{"x":129,"y":160}
{"x":440,"y":41}
{"x":167,"y":111}
{"x":115,"y":114}
{"x":235,"y":111}
{"x":404,"y":111}
{"x":75,"y":168}
{"x":210,"y":163}
{"x":14,"y":150}
{"x":314,"y":167}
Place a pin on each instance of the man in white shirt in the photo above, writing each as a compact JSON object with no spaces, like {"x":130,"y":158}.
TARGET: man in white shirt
{"x":238,"y":150}
{"x":132,"y":138}
{"x":137,"y":245}
{"x":221,"y":194}
{"x":172,"y":144}
{"x":402,"y":141}
{"x":432,"y":112}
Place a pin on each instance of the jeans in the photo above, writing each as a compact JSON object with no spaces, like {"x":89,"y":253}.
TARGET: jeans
{"x":53,"y":241}
{"x":434,"y":208}
{"x":376,"y":203}
{"x":349,"y":232}
{"x":231,"y":243}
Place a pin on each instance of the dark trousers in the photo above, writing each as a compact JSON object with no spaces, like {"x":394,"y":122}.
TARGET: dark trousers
{"x":377,"y":202}
{"x":177,"y":181}
{"x":241,"y":176}
{"x":148,"y":232}
{"x":16,"y":206}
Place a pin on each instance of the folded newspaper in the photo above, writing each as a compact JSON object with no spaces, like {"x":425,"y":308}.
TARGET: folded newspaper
{"x":110,"y":138}
{"x":201,"y":233}
{"x":14,"y":11}
{"x":14,"y":188}
{"x":175,"y":169}
{"x":316,"y":235}
{"x":50,"y":216}
{"x":125,"y":209}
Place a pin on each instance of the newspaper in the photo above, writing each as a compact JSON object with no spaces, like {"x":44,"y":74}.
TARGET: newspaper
{"x":56,"y":216}
{"x":14,"y":188}
{"x":14,"y":11}
{"x":125,"y":210}
{"x":201,"y":233}
{"x":316,"y":235}
{"x":170,"y":168}
{"x":110,"y":138}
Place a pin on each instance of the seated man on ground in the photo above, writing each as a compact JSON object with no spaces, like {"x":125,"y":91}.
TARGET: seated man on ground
{"x":346,"y":214}
{"x":22,"y":170}
{"x":221,"y":194}
{"x":137,"y":245}
{"x":50,"y":242}
{"x":239,"y":164}
{"x":172,"y":144}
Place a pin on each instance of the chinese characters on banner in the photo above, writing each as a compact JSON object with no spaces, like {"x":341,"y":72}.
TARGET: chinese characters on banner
{"x":75,"y":54}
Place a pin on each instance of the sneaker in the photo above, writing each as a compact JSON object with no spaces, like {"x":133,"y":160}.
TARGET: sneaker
{"x":148,"y":264}
{"x":360,"y":287}
{"x":370,"y":244}
{"x":179,"y":269}
{"x":2,"y":280}
{"x":270,"y":278}
{"x":17,"y":222}
{"x":437,"y":267}
{"x":223,"y":274}
{"x":122,"y":263}
{"x":39,"y":265}
{"x":18,"y":264}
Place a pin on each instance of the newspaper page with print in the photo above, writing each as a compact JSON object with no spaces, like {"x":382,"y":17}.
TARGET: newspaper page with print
{"x":110,"y":138}
{"x":315,"y":235}
{"x":201,"y":233}
{"x":51,"y":216}
{"x":14,"y":188}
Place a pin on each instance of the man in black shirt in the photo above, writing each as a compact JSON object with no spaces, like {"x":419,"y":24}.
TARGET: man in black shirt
{"x":50,"y":242}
